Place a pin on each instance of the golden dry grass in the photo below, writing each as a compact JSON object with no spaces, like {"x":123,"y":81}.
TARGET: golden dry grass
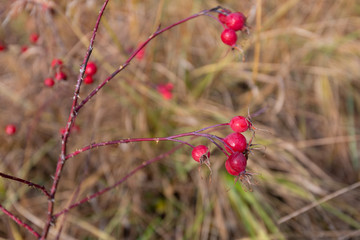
{"x":301,"y":66}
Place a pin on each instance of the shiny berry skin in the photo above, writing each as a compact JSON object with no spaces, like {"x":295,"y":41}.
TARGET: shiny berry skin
{"x":229,"y":37}
{"x":91,"y":68}
{"x":239,"y":124}
{"x":199,"y":152}
{"x":49,"y":82}
{"x":10,"y":129}
{"x":230,"y":170}
{"x":236,"y":141}
{"x":60,"y":76}
{"x":237,"y":162}
{"x":56,"y":62}
{"x":88,"y":79}
{"x":235,"y":21}
{"x":34,"y":37}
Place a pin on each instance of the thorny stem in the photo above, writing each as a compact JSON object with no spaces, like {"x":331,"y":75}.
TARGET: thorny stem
{"x":71,"y":120}
{"x":155,"y":139}
{"x":76,"y":107}
{"x":18,"y":221}
{"x":136,"y":51}
{"x":144,"y":164}
{"x":30,"y":184}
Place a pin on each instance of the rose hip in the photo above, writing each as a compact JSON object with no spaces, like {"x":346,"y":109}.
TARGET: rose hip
{"x":91,"y":68}
{"x":236,"y":141}
{"x":229,"y":37}
{"x":199,"y":152}
{"x":60,"y":76}
{"x":237,"y":162}
{"x":10,"y":129}
{"x":88,"y":79}
{"x":239,"y":124}
{"x":49,"y":82}
{"x":235,"y":21}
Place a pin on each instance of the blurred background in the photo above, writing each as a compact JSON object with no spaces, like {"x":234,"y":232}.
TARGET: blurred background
{"x":299,"y":72}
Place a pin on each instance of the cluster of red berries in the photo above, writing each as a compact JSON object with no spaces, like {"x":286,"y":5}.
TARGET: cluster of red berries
{"x":56,"y":64}
{"x":234,"y":22}
{"x":235,"y":144}
{"x":90,"y":70}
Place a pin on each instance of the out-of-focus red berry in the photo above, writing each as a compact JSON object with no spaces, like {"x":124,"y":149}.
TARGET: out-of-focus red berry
{"x":56,"y":62}
{"x":88,"y":79}
{"x":10,"y":129}
{"x":60,"y":76}
{"x":49,"y":82}
{"x":34,"y":37}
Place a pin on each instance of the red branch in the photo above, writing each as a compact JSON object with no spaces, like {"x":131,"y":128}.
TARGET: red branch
{"x":18,"y":221}
{"x":30,"y":184}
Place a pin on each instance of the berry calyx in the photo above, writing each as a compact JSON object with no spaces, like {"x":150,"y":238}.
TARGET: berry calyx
{"x":34,"y":37}
{"x":91,"y":68}
{"x":237,"y":162}
{"x":60,"y":76}
{"x":56,"y":62}
{"x":239,"y":124}
{"x":236,"y":141}
{"x":235,"y":21}
{"x":49,"y":82}
{"x":200,"y":153}
{"x":229,"y":37}
{"x":10,"y":129}
{"x":88,"y":79}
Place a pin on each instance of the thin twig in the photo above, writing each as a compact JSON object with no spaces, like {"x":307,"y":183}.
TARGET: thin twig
{"x":18,"y":221}
{"x":30,"y":184}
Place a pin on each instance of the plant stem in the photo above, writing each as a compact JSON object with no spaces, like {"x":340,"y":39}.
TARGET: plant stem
{"x":18,"y":221}
{"x":30,"y":184}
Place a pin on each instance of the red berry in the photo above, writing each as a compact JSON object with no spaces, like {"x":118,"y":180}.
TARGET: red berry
{"x":230,"y":170}
{"x":24,"y":48}
{"x":34,"y":37}
{"x":56,"y":62}
{"x":199,"y":152}
{"x":222,"y":18}
{"x":236,"y":141}
{"x":90,"y":68}
{"x":49,"y":82}
{"x":141,"y":54}
{"x":60,"y":76}
{"x":235,"y":21}
{"x":237,"y":162}
{"x":88,"y":79}
{"x":10,"y":129}
{"x":165,"y":90}
{"x":239,"y":124}
{"x":229,"y":37}
{"x":2,"y":47}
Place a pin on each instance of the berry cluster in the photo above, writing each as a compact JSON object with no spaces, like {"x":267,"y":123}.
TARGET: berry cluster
{"x":232,"y":22}
{"x":90,"y":70}
{"x":56,"y":64}
{"x":236,"y":146}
